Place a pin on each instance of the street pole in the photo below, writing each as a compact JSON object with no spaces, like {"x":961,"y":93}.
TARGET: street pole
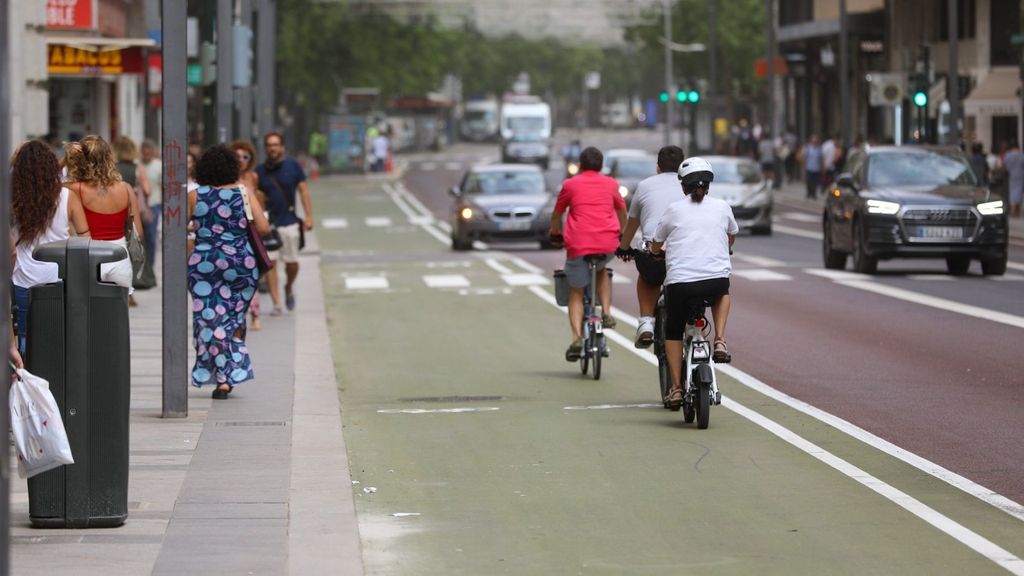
{"x":713,"y":92}
{"x":669,"y":81}
{"x":5,"y":264}
{"x":245,"y":92}
{"x":770,"y":18}
{"x":585,"y":121}
{"x":266,"y":40}
{"x":225,"y":84}
{"x":844,"y":75}
{"x":953,"y":78}
{"x":175,"y":202}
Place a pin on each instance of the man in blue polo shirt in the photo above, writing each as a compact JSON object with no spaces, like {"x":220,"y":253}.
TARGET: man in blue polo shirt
{"x":279,"y":179}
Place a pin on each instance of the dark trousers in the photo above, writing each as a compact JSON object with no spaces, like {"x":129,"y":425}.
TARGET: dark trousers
{"x":813,"y":183}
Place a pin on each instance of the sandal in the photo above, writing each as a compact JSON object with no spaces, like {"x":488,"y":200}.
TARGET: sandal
{"x":721,"y":354}
{"x":220,"y":393}
{"x":574,"y":351}
{"x":674,"y":398}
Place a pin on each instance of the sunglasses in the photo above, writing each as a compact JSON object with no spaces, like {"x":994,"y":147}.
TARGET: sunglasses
{"x":245,"y":157}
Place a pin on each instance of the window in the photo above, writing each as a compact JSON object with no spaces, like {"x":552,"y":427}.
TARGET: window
{"x":1005,"y":22}
{"x":965,"y":20}
{"x":919,"y":169}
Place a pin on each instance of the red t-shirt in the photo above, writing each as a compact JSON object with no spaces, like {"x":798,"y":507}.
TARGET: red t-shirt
{"x":592,"y":226}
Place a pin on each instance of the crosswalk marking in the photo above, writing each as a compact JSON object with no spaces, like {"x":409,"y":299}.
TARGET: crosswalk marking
{"x":761,"y":275}
{"x":366,"y":283}
{"x":453,"y":166}
{"x":446,"y":281}
{"x":428,"y":166}
{"x":378,"y":221}
{"x":525,"y":280}
{"x":484,"y":291}
{"x":334,"y":223}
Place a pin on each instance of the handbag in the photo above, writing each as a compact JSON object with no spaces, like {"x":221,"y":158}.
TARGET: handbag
{"x":39,"y":435}
{"x":273,"y":240}
{"x":136,"y":251}
{"x":259,"y":250}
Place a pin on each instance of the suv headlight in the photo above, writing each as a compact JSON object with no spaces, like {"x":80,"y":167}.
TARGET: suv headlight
{"x":882,"y":207}
{"x":623,"y":191}
{"x":991,"y":208}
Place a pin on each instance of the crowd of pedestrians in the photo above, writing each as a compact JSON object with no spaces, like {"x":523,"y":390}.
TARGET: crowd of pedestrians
{"x":112,"y":192}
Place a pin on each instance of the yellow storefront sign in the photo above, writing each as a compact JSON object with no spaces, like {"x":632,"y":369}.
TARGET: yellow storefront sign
{"x":71,"y":60}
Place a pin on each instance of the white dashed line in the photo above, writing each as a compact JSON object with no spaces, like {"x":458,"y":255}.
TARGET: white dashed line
{"x":760,"y":275}
{"x":378,"y":221}
{"x":367,"y":283}
{"x":334,"y":223}
{"x":525,"y":280}
{"x":446,"y":281}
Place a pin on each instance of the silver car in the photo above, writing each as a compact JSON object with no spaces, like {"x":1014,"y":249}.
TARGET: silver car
{"x":739,"y":182}
{"x":501,"y":202}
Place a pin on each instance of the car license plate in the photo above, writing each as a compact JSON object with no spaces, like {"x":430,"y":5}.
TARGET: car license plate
{"x":513,"y":226}
{"x":940,"y":232}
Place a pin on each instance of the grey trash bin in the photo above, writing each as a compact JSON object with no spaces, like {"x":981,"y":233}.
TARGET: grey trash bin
{"x":78,"y":340}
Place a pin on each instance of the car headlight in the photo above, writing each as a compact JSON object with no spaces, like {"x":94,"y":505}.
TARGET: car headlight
{"x":466,"y":213}
{"x":991,"y":208}
{"x":882,"y":207}
{"x":623,"y":191}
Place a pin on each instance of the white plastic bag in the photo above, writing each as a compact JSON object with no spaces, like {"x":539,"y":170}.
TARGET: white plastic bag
{"x":39,"y":434}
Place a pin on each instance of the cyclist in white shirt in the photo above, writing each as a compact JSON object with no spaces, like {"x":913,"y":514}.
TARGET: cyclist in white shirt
{"x":653,"y":196}
{"x":696,"y":235}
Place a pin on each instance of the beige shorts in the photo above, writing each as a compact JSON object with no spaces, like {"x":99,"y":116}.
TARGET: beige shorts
{"x":289,"y":252}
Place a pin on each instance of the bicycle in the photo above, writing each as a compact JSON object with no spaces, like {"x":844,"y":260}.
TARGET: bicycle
{"x":700,"y":385}
{"x":595,"y":347}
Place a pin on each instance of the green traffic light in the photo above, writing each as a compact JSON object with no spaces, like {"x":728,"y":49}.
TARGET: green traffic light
{"x":681,"y":96}
{"x":664,"y":96}
{"x":693,"y":96}
{"x":920,"y":99}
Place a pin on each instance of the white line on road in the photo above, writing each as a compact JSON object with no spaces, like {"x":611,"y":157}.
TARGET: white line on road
{"x":934,"y":302}
{"x":801,"y":217}
{"x":797,"y":232}
{"x":1008,"y":278}
{"x":428,"y":166}
{"x":366,"y":283}
{"x":931,"y":277}
{"x":497,"y":266}
{"x":971,"y":539}
{"x":1015,"y":266}
{"x":454,"y":166}
{"x":437,"y":410}
{"x":378,"y":221}
{"x":759,"y":261}
{"x":485,"y":291}
{"x":760,"y":275}
{"x":334,"y":223}
{"x":446,"y":281}
{"x":612,"y":406}
{"x":525,"y":279}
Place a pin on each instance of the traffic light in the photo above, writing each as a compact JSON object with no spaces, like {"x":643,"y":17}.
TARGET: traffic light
{"x":664,"y":97}
{"x":919,"y":90}
{"x":681,"y":96}
{"x":693,"y":96}
{"x":920,"y":98}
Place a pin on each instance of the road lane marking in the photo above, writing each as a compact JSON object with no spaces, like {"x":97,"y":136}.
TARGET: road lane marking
{"x":497,"y":266}
{"x":453,"y":166}
{"x":437,"y":410}
{"x":836,"y":275}
{"x":525,"y":279}
{"x":366,"y":283}
{"x":456,"y":264}
{"x":1008,"y":278}
{"x":446,"y":281}
{"x":428,"y":166}
{"x":761,"y":275}
{"x":378,"y":221}
{"x":759,"y":261}
{"x":621,"y":278}
{"x":1015,"y":266}
{"x":930,"y":277}
{"x":334,"y":223}
{"x":797,"y":232}
{"x":612,"y":406}
{"x":801,"y":217}
{"x":935,"y":302}
{"x":962,"y":534}
{"x":485,"y":291}
{"x":403,"y":201}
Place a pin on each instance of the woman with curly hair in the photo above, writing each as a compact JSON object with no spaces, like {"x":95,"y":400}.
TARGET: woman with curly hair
{"x":247,"y":177}
{"x":222,"y":272}
{"x":41,"y":210}
{"x":108,"y":201}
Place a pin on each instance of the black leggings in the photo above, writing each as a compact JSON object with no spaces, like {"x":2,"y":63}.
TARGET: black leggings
{"x":685,"y":300}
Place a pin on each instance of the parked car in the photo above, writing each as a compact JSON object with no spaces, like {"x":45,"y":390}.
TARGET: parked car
{"x":913,"y":202}
{"x":739,"y":181}
{"x":630,"y":170}
{"x":501,"y":202}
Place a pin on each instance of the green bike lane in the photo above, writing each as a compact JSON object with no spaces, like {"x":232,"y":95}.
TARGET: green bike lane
{"x":478,"y":450}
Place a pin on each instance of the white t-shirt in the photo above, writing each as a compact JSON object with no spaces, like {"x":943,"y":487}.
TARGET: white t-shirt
{"x":696,"y":241}
{"x":28,"y":271}
{"x":154,"y":173}
{"x":828,"y":152}
{"x":380,"y":146}
{"x":652,"y":197}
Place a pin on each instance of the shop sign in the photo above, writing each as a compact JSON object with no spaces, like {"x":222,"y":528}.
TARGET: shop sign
{"x":70,"y":14}
{"x":69,"y":60}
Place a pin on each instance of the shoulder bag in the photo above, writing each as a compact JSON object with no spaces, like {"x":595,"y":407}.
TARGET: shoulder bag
{"x":136,"y":251}
{"x":291,"y":208}
{"x":259,"y":250}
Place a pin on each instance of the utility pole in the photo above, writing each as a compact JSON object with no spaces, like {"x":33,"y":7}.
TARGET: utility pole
{"x":844,"y":75}
{"x":770,"y":19}
{"x":175,"y":202}
{"x":713,"y":91}
{"x":266,"y":52}
{"x":5,"y":264}
{"x":225,"y":84}
{"x":670,"y":117}
{"x":953,"y":78}
{"x":245,"y":108}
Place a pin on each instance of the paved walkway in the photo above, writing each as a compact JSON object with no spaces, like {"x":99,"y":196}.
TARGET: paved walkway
{"x":257,"y":484}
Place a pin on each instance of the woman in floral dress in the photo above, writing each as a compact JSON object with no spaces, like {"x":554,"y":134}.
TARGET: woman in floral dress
{"x":222,"y":273}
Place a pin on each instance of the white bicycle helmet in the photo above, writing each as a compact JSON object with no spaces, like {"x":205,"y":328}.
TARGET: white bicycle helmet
{"x":696,"y":172}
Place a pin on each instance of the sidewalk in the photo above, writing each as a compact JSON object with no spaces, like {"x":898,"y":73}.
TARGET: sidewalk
{"x":256,"y":484}
{"x":794,"y":195}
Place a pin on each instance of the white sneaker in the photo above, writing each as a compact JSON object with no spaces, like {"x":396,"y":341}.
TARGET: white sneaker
{"x":644,"y":332}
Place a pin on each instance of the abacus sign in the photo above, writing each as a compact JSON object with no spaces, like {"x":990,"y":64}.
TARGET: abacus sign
{"x":70,"y":14}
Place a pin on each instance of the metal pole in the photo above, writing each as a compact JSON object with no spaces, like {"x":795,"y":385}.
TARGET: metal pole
{"x":670,"y":116}
{"x":713,"y":92}
{"x":5,"y":264}
{"x":225,"y":59}
{"x":770,"y":5}
{"x":844,"y":75}
{"x":953,"y":78}
{"x":245,"y":92}
{"x":266,"y":40}
{"x":585,"y":121}
{"x":175,"y":202}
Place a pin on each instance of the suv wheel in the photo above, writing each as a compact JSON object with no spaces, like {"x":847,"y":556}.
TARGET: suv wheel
{"x":994,"y":267}
{"x":862,"y":262}
{"x":834,"y":259}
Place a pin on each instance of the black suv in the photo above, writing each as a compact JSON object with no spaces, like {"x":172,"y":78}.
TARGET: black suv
{"x":913,"y":202}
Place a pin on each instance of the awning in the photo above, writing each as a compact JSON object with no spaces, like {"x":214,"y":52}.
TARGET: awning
{"x":99,"y":43}
{"x":996,"y":94}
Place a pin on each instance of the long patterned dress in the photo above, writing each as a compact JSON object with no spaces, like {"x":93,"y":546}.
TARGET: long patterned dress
{"x":222,"y":278}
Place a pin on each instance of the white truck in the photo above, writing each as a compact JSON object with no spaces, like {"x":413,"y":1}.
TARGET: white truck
{"x":480,"y":120}
{"x":526,"y":130}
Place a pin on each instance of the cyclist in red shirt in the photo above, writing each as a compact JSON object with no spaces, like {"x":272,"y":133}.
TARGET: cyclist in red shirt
{"x":597,"y":213}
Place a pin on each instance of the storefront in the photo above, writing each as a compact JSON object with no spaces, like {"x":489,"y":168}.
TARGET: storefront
{"x":993,"y":108}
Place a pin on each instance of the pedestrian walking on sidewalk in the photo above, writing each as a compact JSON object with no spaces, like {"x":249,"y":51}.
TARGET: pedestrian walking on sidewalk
{"x":1013,"y":162}
{"x":811,"y":157}
{"x":108,"y":202}
{"x":246,"y":154}
{"x":41,"y":211}
{"x":133,"y":174}
{"x":222,"y":272}
{"x":154,"y":169}
{"x":281,"y":179}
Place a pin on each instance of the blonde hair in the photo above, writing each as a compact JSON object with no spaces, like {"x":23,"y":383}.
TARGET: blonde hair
{"x":91,"y":160}
{"x":125,"y":149}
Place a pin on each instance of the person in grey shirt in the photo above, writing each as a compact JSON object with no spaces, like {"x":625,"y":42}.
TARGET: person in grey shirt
{"x":812,"y":158}
{"x":652,"y":197}
{"x":1013,"y":162}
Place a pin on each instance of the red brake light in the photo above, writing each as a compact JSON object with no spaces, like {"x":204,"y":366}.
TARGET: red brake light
{"x":700,"y":323}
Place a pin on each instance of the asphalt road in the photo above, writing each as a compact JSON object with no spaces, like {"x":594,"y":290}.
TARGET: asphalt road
{"x":478,"y":450}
